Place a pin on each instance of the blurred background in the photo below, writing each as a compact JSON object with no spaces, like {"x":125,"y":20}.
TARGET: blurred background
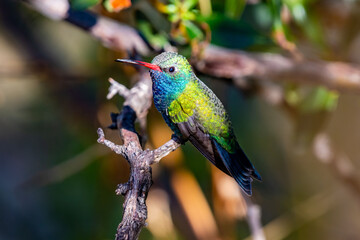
{"x":57,"y":182}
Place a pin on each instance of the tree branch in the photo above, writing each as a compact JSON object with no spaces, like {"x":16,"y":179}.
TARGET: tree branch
{"x":110,"y":33}
{"x":137,"y":102}
{"x":237,"y":65}
{"x":253,"y":217}
{"x":215,"y":61}
{"x":338,"y":162}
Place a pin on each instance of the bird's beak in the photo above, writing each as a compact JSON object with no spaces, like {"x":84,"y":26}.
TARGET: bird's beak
{"x":145,"y":64}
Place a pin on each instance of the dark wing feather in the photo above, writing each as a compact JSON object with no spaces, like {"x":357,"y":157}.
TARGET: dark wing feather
{"x":235,"y":164}
{"x":239,"y":167}
{"x":202,"y":141}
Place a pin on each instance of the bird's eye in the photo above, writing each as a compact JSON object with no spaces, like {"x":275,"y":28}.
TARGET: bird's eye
{"x":171,"y":69}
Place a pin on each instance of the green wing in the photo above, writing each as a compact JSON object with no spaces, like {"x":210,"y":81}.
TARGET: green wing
{"x":201,"y":118}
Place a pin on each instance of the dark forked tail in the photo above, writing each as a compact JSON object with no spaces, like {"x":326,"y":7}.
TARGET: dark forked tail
{"x":239,"y":167}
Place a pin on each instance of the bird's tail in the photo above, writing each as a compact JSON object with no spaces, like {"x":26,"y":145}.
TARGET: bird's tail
{"x":239,"y":166}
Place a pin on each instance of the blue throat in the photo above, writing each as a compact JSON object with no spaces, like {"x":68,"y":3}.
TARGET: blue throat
{"x":165,"y":89}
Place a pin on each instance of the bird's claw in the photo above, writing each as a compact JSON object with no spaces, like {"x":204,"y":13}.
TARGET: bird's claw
{"x":178,"y":139}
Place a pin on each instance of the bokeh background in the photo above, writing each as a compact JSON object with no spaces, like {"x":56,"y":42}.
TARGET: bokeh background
{"x":57,"y":182}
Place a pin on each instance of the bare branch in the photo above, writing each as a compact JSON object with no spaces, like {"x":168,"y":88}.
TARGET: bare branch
{"x":338,"y":162}
{"x":118,"y":36}
{"x":164,"y":150}
{"x":140,"y":96}
{"x":308,"y":210}
{"x":55,"y":9}
{"x":66,"y":168}
{"x":216,"y":61}
{"x":118,"y":149}
{"x":117,"y":88}
{"x":253,"y":217}
{"x":137,"y":102}
{"x":111,"y":33}
{"x":237,"y":65}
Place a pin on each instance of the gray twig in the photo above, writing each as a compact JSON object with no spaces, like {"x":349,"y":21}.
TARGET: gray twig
{"x":338,"y":161}
{"x":253,"y":217}
{"x":137,"y":102}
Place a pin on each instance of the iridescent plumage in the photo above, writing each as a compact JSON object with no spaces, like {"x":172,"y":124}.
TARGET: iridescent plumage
{"x":194,"y":113}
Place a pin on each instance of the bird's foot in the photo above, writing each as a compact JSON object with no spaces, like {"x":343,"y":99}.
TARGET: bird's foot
{"x":114,"y":117}
{"x":178,"y":139}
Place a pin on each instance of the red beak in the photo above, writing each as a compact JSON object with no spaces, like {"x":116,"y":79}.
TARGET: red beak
{"x":145,"y":64}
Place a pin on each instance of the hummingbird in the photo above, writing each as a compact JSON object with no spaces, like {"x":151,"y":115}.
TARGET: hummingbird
{"x":195,"y":114}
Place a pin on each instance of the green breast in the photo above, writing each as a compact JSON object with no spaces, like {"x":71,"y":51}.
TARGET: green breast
{"x":199,"y":101}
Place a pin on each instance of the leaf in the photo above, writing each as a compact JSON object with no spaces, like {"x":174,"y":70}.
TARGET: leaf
{"x":190,"y":15}
{"x":156,"y":40}
{"x":116,"y":5}
{"x":189,"y":4}
{"x":314,"y":100}
{"x":234,"y":8}
{"x":299,"y":13}
{"x":239,"y":34}
{"x":174,"y":18}
{"x":157,"y":20}
{"x":298,"y":10}
{"x":192,"y":30}
{"x":170,"y":8}
{"x":83,"y":4}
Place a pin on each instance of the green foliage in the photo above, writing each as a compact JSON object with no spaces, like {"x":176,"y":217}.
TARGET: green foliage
{"x":184,"y":15}
{"x":234,"y":33}
{"x":158,"y":41}
{"x":312,"y":100}
{"x":83,"y":4}
{"x":297,"y":9}
{"x":107,"y":5}
{"x":234,"y":8}
{"x":70,"y":90}
{"x":193,"y":31}
{"x":233,"y":23}
{"x":178,"y":10}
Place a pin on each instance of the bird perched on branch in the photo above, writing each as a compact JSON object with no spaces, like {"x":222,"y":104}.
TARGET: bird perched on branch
{"x":194,"y":113}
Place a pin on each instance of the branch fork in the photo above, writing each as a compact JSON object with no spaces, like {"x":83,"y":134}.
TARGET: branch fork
{"x":137,"y":103}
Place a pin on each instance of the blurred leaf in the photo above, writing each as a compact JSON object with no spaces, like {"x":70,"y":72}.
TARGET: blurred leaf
{"x":297,"y":9}
{"x":190,"y":15}
{"x":157,"y":20}
{"x":205,"y":7}
{"x":320,"y":99}
{"x":234,"y":8}
{"x":156,"y":40}
{"x":189,"y":4}
{"x":116,"y":5}
{"x":261,"y":15}
{"x":275,"y":6}
{"x":83,"y":4}
{"x":184,"y":17}
{"x":299,"y":13}
{"x":314,"y":30}
{"x":170,"y":9}
{"x":179,"y":10}
{"x":174,"y":18}
{"x":281,"y":33}
{"x":193,"y":31}
{"x":236,"y":33}
{"x":313,"y":100}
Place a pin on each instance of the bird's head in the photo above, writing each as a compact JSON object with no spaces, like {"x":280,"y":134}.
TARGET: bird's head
{"x":168,"y":67}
